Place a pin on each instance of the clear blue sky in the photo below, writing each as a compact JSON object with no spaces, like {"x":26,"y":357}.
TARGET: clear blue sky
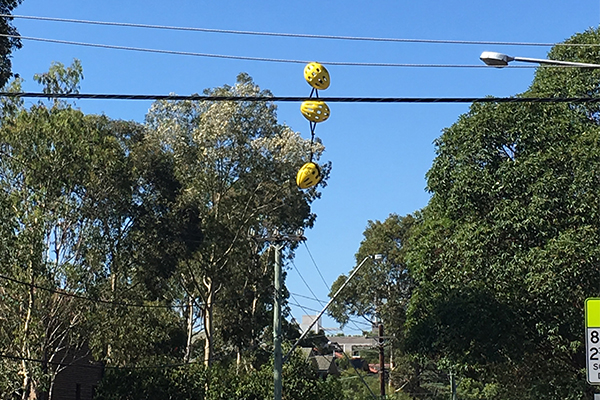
{"x":380,"y":152}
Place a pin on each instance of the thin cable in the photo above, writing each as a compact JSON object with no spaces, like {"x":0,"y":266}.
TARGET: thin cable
{"x":298,"y":99}
{"x":37,"y":360}
{"x":314,"y":295}
{"x":304,"y":308}
{"x":308,"y":297}
{"x":78,"y":296}
{"x":279,"y":60}
{"x":354,"y":321}
{"x":359,"y":375}
{"x":297,"y":303}
{"x":316,"y":266}
{"x":158,"y":366}
{"x":312,"y":125}
{"x":125,"y":367}
{"x":292,"y":35}
{"x":306,"y":284}
{"x":368,"y":323}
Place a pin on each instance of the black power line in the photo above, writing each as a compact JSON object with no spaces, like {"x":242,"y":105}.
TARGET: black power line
{"x":316,"y":266}
{"x":81,"y":297}
{"x":295,"y":99}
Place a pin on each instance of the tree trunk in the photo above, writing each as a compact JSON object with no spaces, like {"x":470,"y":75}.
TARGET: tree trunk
{"x":190,"y":329}
{"x":208,"y":322}
{"x":51,"y":390}
{"x":27,"y":389}
{"x":113,"y":297}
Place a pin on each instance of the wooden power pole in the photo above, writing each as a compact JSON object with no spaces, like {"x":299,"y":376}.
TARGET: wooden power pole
{"x":381,"y":363}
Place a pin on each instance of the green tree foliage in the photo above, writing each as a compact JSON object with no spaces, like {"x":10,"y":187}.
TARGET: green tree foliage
{"x":46,"y":162}
{"x":508,"y":247}
{"x":194,"y":381}
{"x":354,"y":388}
{"x":72,"y":221}
{"x":45,"y":165}
{"x":7,"y":44}
{"x":61,"y":80}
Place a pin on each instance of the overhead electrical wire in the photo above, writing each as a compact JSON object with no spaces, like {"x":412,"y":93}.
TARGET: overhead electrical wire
{"x":308,"y":298}
{"x":265,"y":59}
{"x":125,"y":304}
{"x":306,"y":284}
{"x":291,"y":35}
{"x":314,"y":295}
{"x":328,"y":288}
{"x":123,"y":367}
{"x":37,"y":360}
{"x":369,"y":322}
{"x":316,"y":266}
{"x":297,"y":304}
{"x":173,"y":97}
{"x":305,"y":308}
{"x":81,"y":297}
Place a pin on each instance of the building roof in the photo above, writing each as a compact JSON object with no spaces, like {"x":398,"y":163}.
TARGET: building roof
{"x":352,"y":340}
{"x":323,"y":364}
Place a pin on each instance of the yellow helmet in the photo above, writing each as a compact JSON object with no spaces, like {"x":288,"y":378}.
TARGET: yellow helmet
{"x":308,"y":176}
{"x":316,"y":75}
{"x":315,"y":111}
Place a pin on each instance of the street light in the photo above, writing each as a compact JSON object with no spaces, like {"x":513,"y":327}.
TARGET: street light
{"x":500,"y":60}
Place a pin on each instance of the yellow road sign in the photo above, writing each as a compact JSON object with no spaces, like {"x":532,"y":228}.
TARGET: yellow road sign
{"x":592,"y":312}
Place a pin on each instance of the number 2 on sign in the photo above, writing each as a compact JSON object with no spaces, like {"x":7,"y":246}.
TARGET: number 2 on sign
{"x":594,"y":353}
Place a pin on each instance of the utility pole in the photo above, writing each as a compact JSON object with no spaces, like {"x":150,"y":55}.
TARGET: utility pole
{"x":381,"y":363}
{"x":278,"y":241}
{"x":278,"y":363}
{"x":453,"y":385}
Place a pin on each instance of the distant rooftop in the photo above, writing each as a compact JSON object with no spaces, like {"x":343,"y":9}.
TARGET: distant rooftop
{"x":356,"y":340}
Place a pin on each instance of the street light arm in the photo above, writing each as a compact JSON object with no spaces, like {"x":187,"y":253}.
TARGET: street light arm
{"x":500,"y":60}
{"x":556,"y":62}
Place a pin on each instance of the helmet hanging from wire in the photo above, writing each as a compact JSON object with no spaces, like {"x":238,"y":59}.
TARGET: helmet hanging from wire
{"x":315,"y":111}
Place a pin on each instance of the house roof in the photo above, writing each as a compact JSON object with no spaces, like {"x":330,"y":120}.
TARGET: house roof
{"x":323,"y":364}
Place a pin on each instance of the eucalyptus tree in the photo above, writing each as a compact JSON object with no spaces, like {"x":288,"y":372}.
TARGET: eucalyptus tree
{"x":48,"y":156}
{"x":236,"y":165}
{"x":81,"y":207}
